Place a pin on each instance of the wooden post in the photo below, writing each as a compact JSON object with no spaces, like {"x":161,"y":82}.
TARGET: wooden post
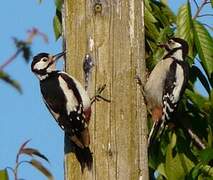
{"x":112,"y":32}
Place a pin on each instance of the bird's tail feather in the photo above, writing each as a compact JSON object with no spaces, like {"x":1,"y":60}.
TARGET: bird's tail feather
{"x":84,"y":156}
{"x":156,"y":131}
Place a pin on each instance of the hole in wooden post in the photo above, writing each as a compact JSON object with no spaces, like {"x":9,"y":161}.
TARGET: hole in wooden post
{"x":98,"y":8}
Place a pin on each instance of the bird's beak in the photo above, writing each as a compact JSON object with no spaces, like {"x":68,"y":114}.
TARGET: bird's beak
{"x":165,"y":46}
{"x":162,"y":45}
{"x":58,"y":56}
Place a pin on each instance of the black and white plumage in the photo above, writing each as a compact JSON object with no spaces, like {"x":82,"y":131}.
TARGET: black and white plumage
{"x":166,"y":85}
{"x":67,"y":101}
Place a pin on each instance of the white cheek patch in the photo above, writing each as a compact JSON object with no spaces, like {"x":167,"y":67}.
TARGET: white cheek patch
{"x":176,"y":45}
{"x":72,"y":102}
{"x":40,"y":65}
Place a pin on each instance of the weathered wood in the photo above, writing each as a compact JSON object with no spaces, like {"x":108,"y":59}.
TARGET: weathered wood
{"x":112,"y":32}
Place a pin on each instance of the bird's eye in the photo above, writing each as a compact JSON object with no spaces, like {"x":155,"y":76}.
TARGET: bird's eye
{"x":170,"y":41}
{"x":45,"y":59}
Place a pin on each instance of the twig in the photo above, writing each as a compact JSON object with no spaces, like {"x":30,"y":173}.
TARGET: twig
{"x":10,"y":169}
{"x":196,"y":4}
{"x":200,"y":8}
{"x":198,"y":60}
{"x":10,"y":59}
{"x":35,"y":32}
{"x":204,"y":15}
{"x":208,"y":26}
{"x":16,"y":168}
{"x":32,"y":33}
{"x":196,"y":138}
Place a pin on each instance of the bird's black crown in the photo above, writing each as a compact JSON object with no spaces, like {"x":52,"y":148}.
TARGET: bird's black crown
{"x":184,"y":45}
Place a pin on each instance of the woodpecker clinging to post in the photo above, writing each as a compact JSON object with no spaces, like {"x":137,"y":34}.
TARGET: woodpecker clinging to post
{"x":67,"y":101}
{"x":166,"y":85}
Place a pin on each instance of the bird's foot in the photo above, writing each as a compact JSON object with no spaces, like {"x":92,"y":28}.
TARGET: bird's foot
{"x":98,"y":97}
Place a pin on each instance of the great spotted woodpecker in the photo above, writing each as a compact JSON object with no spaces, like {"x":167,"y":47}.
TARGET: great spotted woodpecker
{"x":67,"y":101}
{"x":166,"y":85}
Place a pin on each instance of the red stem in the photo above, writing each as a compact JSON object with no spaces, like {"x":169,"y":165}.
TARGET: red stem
{"x":11,"y":59}
{"x":200,"y":8}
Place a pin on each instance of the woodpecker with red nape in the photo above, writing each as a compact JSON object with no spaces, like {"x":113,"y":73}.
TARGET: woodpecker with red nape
{"x":166,"y":85}
{"x":67,"y":101}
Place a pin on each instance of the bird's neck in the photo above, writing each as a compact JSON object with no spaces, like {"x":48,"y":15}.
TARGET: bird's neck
{"x":178,"y":55}
{"x":46,"y":76}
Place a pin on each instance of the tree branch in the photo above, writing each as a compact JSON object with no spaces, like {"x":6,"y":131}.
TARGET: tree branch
{"x":196,"y":139}
{"x":200,"y":8}
{"x":32,"y":33}
{"x":204,"y":15}
{"x":196,"y":3}
{"x":10,"y":59}
{"x":211,"y":28}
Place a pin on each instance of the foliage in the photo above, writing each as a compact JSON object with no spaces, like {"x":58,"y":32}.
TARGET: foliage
{"x":184,"y":151}
{"x":3,"y":174}
{"x":33,"y":153}
{"x":57,"y":20}
{"x":22,"y":47}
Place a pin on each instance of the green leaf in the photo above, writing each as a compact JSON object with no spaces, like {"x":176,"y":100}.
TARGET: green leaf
{"x":57,"y":27}
{"x":164,"y":33}
{"x":164,"y":1}
{"x":195,"y":172}
{"x":26,"y":53}
{"x":4,"y":174}
{"x":41,"y":168}
{"x":185,"y":26}
{"x":211,"y":3}
{"x":32,"y":151}
{"x":204,"y":46}
{"x":162,"y":13}
{"x":58,"y":4}
{"x":206,"y":155}
{"x":149,"y":16}
{"x":161,"y":169}
{"x":210,"y":136}
{"x":23,"y":47}
{"x":177,"y":166}
{"x":169,"y":13}
{"x":206,"y":169}
{"x":6,"y":78}
{"x":196,"y":98}
{"x":198,"y":73}
{"x":147,"y":5}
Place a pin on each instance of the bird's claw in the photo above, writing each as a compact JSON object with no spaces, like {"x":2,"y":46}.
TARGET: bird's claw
{"x":98,"y":97}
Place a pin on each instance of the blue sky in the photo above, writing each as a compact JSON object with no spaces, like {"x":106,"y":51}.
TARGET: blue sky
{"x":25,"y":116}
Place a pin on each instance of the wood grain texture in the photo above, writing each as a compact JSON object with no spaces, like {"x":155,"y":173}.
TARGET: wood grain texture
{"x":118,"y":129}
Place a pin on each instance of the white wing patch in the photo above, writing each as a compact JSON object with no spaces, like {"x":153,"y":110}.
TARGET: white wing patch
{"x":84,"y":96}
{"x":72,"y":102}
{"x":179,"y":83}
